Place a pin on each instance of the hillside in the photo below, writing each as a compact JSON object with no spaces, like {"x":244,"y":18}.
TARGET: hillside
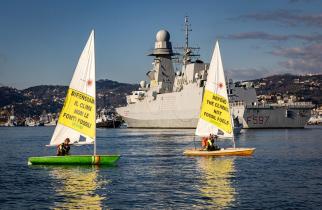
{"x":50,"y":98}
{"x":307,"y":87}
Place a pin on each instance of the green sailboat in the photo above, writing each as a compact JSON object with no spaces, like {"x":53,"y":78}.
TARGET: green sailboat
{"x":77,"y":118}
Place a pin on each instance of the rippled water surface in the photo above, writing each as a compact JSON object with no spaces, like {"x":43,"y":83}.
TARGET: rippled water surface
{"x":285,"y":172}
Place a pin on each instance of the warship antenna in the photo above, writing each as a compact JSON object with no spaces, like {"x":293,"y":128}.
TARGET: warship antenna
{"x":187,"y":50}
{"x":187,"y":28}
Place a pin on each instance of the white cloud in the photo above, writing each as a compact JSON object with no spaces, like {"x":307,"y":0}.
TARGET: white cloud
{"x":248,"y":73}
{"x":306,"y":59}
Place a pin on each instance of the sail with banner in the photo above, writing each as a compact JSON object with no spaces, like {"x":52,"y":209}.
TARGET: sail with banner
{"x":215,"y":116}
{"x":77,"y":118}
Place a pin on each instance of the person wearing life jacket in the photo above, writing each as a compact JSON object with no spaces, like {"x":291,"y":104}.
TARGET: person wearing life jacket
{"x":204,"y":143}
{"x":63,"y":148}
{"x":210,"y":143}
{"x":215,"y":147}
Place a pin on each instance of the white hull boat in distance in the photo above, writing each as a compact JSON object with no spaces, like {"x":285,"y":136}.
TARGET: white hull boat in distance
{"x":221,"y":152}
{"x":215,"y":116}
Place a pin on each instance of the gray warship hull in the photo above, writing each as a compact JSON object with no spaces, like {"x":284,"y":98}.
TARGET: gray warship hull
{"x":252,"y":117}
{"x":162,"y":123}
{"x":273,"y":115}
{"x":182,"y":109}
{"x":169,"y":110}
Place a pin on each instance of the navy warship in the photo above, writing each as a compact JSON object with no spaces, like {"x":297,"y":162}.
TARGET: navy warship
{"x":172,"y":99}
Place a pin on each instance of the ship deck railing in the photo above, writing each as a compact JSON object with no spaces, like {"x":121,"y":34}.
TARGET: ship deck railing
{"x":304,"y":105}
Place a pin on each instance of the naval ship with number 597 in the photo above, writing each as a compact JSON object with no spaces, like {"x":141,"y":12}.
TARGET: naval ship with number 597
{"x":172,"y":99}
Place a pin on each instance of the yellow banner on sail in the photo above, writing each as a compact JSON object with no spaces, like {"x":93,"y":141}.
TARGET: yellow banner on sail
{"x":79,"y":112}
{"x":215,"y":110}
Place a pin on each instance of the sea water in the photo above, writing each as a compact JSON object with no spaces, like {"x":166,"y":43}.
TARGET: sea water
{"x":285,"y":172}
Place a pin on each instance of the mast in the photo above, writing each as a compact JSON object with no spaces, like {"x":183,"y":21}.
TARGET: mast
{"x":95,"y":92}
{"x":232,"y":125}
{"x":231,"y":118}
{"x":186,"y":29}
{"x":186,"y":49}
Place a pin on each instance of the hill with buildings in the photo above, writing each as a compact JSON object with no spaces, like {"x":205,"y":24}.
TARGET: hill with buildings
{"x":298,"y":87}
{"x":34,"y":101}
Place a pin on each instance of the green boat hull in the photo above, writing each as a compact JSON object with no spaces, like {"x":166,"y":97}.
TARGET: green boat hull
{"x":75,"y":160}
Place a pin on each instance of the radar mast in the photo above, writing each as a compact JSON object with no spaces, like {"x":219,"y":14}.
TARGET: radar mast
{"x":187,"y":50}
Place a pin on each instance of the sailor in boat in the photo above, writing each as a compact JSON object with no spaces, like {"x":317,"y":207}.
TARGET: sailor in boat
{"x":63,"y":148}
{"x":204,"y":143}
{"x":211,"y":146}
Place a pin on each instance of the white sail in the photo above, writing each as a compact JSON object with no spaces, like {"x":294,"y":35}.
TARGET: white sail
{"x":215,"y":117}
{"x":77,"y":118}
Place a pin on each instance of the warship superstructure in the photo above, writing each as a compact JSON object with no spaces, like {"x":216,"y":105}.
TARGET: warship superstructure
{"x":172,"y":99}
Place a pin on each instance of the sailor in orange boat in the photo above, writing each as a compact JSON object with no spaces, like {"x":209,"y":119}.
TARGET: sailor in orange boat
{"x":204,"y":143}
{"x":63,"y":148}
{"x":210,"y":143}
{"x":211,"y":146}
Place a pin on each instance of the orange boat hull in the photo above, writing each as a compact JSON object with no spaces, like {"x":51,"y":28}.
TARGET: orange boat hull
{"x":222,"y":152}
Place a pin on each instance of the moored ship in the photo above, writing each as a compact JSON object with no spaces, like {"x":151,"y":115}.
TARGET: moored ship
{"x":253,"y":114}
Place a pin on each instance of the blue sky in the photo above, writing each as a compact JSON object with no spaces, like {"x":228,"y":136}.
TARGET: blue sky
{"x":41,"y":40}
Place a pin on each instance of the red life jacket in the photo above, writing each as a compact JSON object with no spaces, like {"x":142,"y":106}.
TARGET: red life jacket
{"x":204,"y":142}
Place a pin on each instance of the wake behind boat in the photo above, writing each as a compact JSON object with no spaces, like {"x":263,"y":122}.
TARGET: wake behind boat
{"x":77,"y":118}
{"x":215,"y":116}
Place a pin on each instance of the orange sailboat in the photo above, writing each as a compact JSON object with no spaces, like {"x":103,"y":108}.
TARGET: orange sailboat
{"x":215,"y":116}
